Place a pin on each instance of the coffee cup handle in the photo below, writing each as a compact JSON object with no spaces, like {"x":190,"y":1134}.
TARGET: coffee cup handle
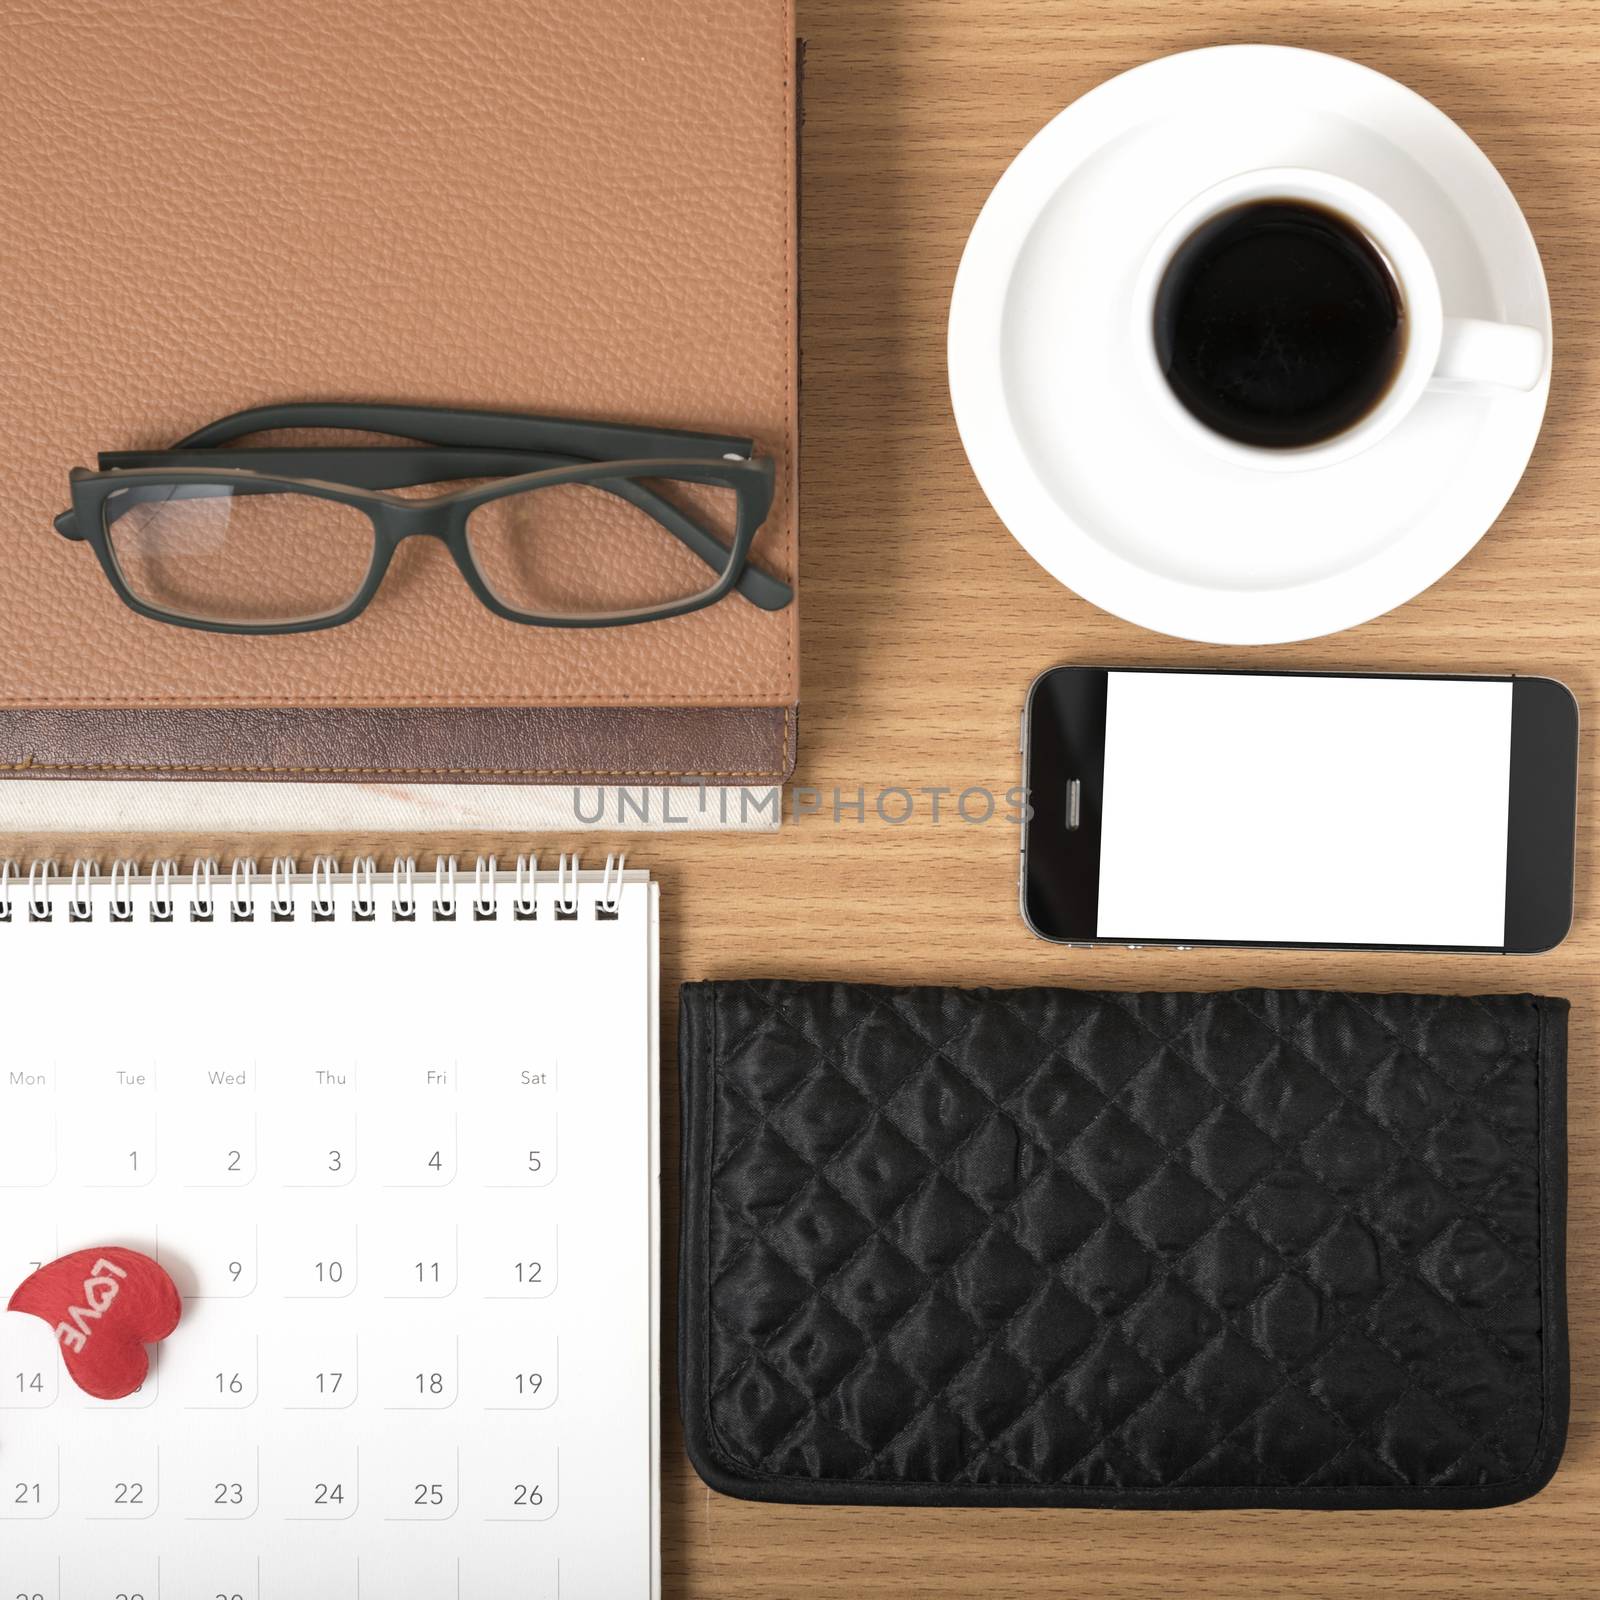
{"x":1496,"y":355}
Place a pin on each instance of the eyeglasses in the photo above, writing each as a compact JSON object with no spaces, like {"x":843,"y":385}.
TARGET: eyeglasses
{"x":552,"y":523}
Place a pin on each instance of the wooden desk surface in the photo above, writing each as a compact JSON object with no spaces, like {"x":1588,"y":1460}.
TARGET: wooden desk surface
{"x":923,"y":625}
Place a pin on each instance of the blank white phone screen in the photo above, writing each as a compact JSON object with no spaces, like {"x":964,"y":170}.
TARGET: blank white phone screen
{"x":1305,"y":809}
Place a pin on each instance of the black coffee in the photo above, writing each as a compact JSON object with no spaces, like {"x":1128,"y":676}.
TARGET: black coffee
{"x":1278,"y":324}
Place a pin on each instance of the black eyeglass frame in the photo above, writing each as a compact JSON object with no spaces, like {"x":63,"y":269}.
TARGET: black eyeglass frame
{"x":522,"y":453}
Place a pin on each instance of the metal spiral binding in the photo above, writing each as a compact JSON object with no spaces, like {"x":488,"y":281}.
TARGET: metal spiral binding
{"x":50,"y":892}
{"x":524,"y":904}
{"x":484,"y":906}
{"x":162,"y":902}
{"x":405,"y":901}
{"x":363,"y":879}
{"x":323,"y":907}
{"x":241,"y":903}
{"x":567,"y":890}
{"x":39,"y":876}
{"x":609,"y":906}
{"x":80,"y":903}
{"x":202,"y":891}
{"x":444,"y":889}
{"x":282,"y":901}
{"x":122,"y":876}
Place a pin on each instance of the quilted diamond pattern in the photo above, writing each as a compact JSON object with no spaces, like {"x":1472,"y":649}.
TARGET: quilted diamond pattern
{"x":1054,"y":1241}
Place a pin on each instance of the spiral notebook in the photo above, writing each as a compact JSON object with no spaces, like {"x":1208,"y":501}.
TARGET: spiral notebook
{"x":394,"y":1139}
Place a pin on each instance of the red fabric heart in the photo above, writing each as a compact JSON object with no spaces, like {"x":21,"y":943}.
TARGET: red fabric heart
{"x":105,"y":1306}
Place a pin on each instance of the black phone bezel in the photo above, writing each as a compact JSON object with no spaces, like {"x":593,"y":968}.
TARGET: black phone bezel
{"x":1064,"y":726}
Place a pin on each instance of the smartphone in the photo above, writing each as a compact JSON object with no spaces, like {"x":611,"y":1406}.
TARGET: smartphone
{"x":1299,"y":809}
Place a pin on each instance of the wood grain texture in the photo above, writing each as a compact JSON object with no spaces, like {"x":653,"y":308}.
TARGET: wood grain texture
{"x":923,"y":624}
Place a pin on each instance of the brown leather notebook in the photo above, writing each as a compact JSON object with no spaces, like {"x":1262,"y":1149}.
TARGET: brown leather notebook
{"x":578,"y":208}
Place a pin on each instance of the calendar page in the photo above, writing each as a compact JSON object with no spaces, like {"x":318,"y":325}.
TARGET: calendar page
{"x":403,"y":1173}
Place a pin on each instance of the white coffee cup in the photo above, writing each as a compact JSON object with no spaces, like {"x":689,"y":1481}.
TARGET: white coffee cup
{"x":1440,"y":351}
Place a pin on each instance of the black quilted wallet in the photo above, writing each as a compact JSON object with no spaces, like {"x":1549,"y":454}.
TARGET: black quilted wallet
{"x":1043,"y":1247}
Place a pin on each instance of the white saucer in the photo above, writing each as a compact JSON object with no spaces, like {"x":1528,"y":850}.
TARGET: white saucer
{"x":1108,"y":493}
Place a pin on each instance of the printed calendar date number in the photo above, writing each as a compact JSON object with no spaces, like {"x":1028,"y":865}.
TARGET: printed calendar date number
{"x":527,"y":1494}
{"x":329,"y":1494}
{"x":428,"y":1494}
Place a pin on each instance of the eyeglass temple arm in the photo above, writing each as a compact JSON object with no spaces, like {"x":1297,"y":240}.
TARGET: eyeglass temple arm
{"x":495,"y":430}
{"x":760,"y":588}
